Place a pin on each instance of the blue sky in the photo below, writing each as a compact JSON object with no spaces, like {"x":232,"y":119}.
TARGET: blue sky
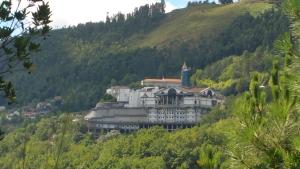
{"x":179,"y":3}
{"x":73,"y":12}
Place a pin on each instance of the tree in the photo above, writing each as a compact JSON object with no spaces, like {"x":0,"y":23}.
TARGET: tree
{"x":270,"y":130}
{"x":163,"y":6}
{"x":22,"y":22}
{"x":1,"y":135}
{"x":108,"y":98}
{"x":107,"y":18}
{"x":226,"y":1}
{"x":210,"y":157}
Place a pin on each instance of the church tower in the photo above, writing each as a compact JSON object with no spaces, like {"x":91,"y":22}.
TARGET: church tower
{"x":185,"y":76}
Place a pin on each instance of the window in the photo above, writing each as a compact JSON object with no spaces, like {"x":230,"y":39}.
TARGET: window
{"x":214,"y":102}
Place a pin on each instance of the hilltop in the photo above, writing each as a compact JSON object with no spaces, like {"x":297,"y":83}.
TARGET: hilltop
{"x":197,"y":22}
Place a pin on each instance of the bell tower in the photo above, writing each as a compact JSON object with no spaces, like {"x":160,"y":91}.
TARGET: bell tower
{"x":185,"y":76}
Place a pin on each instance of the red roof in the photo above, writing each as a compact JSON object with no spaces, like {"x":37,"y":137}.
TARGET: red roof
{"x":29,"y":114}
{"x":173,"y":81}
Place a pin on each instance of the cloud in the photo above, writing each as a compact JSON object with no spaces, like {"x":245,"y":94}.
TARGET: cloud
{"x":170,"y":7}
{"x":72,"y":12}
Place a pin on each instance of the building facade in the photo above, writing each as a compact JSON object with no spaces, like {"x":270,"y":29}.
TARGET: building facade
{"x":168,"y":107}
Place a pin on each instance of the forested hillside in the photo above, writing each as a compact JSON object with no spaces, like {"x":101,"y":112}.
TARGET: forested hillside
{"x":80,"y":62}
{"x":256,"y":58}
{"x":232,"y":75}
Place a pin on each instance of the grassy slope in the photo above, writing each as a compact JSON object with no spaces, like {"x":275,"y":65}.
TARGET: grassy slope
{"x":196,"y":22}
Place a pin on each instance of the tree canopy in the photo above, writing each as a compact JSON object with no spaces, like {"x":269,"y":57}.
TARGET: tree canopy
{"x":226,"y":1}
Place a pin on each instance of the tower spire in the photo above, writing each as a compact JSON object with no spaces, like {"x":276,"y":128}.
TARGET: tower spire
{"x":185,"y":76}
{"x":184,"y":66}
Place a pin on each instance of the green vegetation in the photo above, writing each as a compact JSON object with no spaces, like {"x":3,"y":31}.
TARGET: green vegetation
{"x":253,"y":133}
{"x":16,"y":35}
{"x":153,"y":148}
{"x":108,"y":98}
{"x":91,"y":57}
{"x":226,"y":1}
{"x":196,"y":23}
{"x":232,"y":75}
{"x":256,"y":129}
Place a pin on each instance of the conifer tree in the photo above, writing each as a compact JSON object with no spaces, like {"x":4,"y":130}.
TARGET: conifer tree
{"x":226,"y":1}
{"x":269,"y":131}
{"x":163,"y":6}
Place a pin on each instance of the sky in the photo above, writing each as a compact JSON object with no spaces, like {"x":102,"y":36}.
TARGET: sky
{"x":73,"y":12}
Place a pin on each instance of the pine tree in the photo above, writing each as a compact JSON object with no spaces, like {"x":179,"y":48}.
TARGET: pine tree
{"x":163,"y":6}
{"x":269,"y":131}
{"x":107,"y":21}
{"x":1,"y":135}
{"x":268,"y":128}
{"x":226,"y":1}
{"x":17,"y":29}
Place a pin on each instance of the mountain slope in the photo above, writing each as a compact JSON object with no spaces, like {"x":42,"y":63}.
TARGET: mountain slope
{"x":79,"y":63}
{"x":197,"y":22}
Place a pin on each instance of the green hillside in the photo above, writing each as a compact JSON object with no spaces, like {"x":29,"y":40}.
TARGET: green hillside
{"x":257,"y":127}
{"x":197,"y":22}
{"x":79,"y":63}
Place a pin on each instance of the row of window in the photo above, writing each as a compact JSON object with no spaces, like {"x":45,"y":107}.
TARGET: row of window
{"x":174,"y":116}
{"x":121,"y":126}
{"x":171,"y":118}
{"x":167,"y":114}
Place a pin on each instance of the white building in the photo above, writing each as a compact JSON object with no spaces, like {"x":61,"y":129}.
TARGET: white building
{"x":142,"y":97}
{"x":171,"y":107}
{"x":2,"y":108}
{"x":181,"y":105}
{"x":171,"y":103}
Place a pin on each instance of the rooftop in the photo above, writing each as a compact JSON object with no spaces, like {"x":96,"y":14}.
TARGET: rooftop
{"x":193,"y":90}
{"x":163,"y":80}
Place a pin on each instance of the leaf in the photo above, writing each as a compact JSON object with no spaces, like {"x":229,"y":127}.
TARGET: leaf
{"x":21,"y":44}
{"x":20,"y":15}
{"x":8,"y":51}
{"x":5,"y":9}
{"x":8,"y":89}
{"x":34,"y":46}
{"x":284,"y":46}
{"x":5,"y":32}
{"x":27,"y":64}
{"x":45,"y":29}
{"x":296,"y":143}
{"x":42,"y":15}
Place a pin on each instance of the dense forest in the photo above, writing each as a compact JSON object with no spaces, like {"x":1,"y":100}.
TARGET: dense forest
{"x":255,"y":61}
{"x":91,"y":57}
